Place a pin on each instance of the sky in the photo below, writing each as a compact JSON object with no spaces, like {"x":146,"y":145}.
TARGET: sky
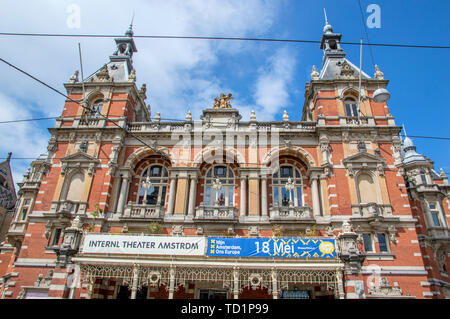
{"x":185,"y":75}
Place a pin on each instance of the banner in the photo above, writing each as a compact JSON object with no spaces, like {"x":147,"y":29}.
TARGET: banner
{"x":144,"y":245}
{"x":271,"y":247}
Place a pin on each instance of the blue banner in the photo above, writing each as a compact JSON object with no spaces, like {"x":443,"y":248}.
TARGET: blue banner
{"x":271,"y":247}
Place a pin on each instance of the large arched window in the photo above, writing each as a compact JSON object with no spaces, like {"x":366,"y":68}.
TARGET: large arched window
{"x":219,"y":186}
{"x":287,"y":187}
{"x":153,"y":185}
{"x":351,"y":108}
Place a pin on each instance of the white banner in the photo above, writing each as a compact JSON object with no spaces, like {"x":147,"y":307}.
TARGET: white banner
{"x":144,"y":245}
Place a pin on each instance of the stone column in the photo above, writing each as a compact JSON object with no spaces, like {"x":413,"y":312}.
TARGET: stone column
{"x":243,"y":195}
{"x":264,"y":196}
{"x":171,"y":282}
{"x":123,"y":194}
{"x":171,"y":195}
{"x":236,"y":283}
{"x":134,"y":287}
{"x":192,"y":196}
{"x":315,"y":197}
{"x":274,"y":284}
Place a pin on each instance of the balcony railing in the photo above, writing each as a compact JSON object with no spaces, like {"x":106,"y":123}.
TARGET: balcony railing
{"x":18,"y":227}
{"x":290,"y":213}
{"x":140,"y":211}
{"x":372,"y":210}
{"x":68,"y":207}
{"x":224,"y":213}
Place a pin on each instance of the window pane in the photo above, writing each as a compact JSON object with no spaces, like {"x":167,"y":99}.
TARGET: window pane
{"x":24,"y":213}
{"x":284,"y":196}
{"x":435,"y":219}
{"x":208,"y":195}
{"x":152,"y":195}
{"x":56,"y":237}
{"x":348,"y":110}
{"x":367,"y":242}
{"x":286,"y":171}
{"x":297,"y":174}
{"x":276,"y":192}
{"x":382,"y":242}
{"x":299,"y":196}
{"x":220,"y":171}
{"x":230,"y":195}
{"x":355,"y":110}
{"x":423,"y":177}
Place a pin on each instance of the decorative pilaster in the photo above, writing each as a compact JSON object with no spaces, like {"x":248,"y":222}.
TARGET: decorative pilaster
{"x":134,"y":287}
{"x":264,"y":196}
{"x":171,"y":196}
{"x":315,"y":196}
{"x":236,"y":283}
{"x":274,"y":284}
{"x":243,"y":195}
{"x":171,"y":282}
{"x":192,"y":196}
{"x":123,"y":194}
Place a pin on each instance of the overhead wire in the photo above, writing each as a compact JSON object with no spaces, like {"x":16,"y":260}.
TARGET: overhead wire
{"x":218,"y":38}
{"x":83,"y":106}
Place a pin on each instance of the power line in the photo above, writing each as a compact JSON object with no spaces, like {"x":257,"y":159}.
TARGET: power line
{"x":218,"y":38}
{"x":85,"y":107}
{"x":180,"y":120}
{"x":30,"y":120}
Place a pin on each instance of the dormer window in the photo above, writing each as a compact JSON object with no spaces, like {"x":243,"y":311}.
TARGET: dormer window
{"x":350,"y":107}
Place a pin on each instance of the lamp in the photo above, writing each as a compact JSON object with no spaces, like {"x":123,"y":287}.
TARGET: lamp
{"x":381,"y":95}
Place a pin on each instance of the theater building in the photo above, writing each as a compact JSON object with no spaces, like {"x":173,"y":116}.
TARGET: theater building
{"x":127,"y":205}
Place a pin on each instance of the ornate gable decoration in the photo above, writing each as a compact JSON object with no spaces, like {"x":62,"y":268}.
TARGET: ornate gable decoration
{"x":347,"y":71}
{"x":364,"y":161}
{"x":79,"y":160}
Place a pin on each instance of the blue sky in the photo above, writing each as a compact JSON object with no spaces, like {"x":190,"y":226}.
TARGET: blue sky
{"x":184,"y":75}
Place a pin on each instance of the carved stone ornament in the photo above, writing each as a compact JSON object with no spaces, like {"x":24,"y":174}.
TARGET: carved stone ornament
{"x":347,"y":71}
{"x":177,"y":230}
{"x":103,"y":74}
{"x":384,"y":289}
{"x":74,"y":77}
{"x":132,"y":76}
{"x":378,"y":74}
{"x":314,"y":73}
{"x":253,"y":230}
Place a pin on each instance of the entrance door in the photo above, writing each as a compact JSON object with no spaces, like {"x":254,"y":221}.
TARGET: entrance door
{"x":212,"y":294}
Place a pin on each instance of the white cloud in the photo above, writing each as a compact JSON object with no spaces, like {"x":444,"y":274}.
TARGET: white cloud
{"x":272,"y":86}
{"x":181,"y":75}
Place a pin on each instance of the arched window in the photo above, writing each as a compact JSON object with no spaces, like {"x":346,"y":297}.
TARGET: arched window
{"x":287,"y":187}
{"x":153,"y":185}
{"x":76,"y":187}
{"x":219,"y":186}
{"x":351,"y":108}
{"x":367,"y":189}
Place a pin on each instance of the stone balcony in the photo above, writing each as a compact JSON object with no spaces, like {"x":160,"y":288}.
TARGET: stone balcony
{"x":371,"y":210}
{"x":68,"y":207}
{"x":135,"y":211}
{"x":291,"y":214}
{"x":216,"y":213}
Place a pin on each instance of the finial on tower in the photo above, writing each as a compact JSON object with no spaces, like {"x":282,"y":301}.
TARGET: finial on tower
{"x":130,"y":32}
{"x":327,"y":28}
